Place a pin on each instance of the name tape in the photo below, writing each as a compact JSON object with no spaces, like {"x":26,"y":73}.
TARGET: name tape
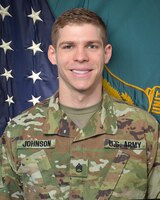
{"x":36,"y":143}
{"x":124,"y":144}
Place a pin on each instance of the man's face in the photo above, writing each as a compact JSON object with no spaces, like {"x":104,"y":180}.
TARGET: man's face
{"x":80,"y":56}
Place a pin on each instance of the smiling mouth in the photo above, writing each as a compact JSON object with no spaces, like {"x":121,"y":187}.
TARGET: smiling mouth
{"x":80,"y":71}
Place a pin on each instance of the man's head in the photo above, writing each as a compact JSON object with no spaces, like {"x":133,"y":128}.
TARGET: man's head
{"x":78,"y":16}
{"x":80,"y":51}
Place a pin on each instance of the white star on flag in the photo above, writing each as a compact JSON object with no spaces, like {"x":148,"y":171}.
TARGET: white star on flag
{"x":9,"y":100}
{"x":35,"y":47}
{"x":35,"y":76}
{"x":34,"y":100}
{"x":4,"y":12}
{"x":25,"y":30}
{"x":35,"y":16}
{"x":6,"y":46}
{"x":7,"y":74}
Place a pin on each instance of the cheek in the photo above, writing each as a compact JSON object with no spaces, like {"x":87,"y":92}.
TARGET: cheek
{"x":62,"y":66}
{"x":61,"y":61}
{"x":99,"y":60}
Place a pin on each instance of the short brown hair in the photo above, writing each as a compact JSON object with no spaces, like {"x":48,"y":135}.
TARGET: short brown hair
{"x":78,"y":16}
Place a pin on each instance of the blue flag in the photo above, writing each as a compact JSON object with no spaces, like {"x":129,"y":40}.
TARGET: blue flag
{"x":26,"y":75}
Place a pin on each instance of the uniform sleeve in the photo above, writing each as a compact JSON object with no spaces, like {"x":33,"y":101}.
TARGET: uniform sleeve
{"x":154,"y":175}
{"x":10,"y":186}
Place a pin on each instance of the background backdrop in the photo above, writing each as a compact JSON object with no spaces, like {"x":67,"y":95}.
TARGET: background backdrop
{"x":27,"y":77}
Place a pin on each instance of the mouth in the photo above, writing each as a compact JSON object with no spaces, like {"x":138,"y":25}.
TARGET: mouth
{"x":80,"y":71}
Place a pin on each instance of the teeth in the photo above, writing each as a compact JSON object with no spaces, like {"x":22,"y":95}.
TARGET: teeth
{"x":80,"y":72}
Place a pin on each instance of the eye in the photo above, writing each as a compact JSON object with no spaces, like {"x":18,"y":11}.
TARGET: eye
{"x":67,"y":46}
{"x":93,"y":46}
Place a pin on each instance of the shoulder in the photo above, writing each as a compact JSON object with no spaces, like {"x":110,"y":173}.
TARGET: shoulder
{"x":134,"y":120}
{"x":140,"y":124}
{"x":29,"y":119}
{"x":133,"y":112}
{"x":129,"y":117}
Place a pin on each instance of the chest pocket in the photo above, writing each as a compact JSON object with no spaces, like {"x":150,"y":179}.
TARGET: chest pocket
{"x":37,"y":174}
{"x":113,"y":175}
{"x":124,"y":167}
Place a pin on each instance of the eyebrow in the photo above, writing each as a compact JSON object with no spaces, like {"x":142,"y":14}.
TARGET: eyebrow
{"x":65,"y":42}
{"x":87,"y":42}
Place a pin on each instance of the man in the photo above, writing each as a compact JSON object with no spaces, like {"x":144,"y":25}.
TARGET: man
{"x":80,"y":143}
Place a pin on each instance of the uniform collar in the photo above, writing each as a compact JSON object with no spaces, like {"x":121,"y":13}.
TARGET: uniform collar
{"x":58,"y":123}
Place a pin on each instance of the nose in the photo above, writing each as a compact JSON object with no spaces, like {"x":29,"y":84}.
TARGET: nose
{"x":81,"y":54}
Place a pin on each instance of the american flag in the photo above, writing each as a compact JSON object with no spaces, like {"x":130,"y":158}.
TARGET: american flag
{"x":26,"y":75}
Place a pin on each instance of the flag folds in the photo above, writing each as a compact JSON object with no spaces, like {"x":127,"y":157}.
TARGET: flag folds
{"x":26,"y":75}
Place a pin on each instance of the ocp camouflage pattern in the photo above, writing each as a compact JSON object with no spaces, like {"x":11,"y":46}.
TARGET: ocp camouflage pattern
{"x":45,"y":156}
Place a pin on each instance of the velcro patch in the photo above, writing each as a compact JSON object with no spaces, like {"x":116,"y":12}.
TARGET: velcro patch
{"x":36,"y":143}
{"x":78,"y":168}
{"x":124,"y":144}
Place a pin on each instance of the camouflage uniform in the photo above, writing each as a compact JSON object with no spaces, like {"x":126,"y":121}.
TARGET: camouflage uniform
{"x":46,"y":156}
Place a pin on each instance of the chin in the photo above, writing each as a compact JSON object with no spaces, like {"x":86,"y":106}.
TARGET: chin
{"x":84,"y":89}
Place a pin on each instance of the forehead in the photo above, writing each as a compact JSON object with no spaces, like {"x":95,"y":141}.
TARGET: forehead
{"x":80,"y":32}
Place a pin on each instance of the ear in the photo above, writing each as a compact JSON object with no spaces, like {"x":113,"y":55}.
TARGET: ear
{"x":52,"y":54}
{"x":108,"y":53}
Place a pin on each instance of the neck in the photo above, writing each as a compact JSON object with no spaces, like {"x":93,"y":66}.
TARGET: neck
{"x":80,"y":99}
